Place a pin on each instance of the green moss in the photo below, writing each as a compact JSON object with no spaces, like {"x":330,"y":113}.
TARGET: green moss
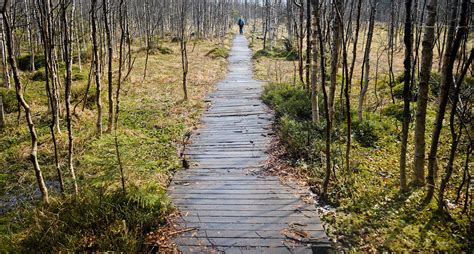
{"x":218,"y":52}
{"x":10,"y":102}
{"x":261,"y":53}
{"x":367,"y":132}
{"x":39,"y":75}
{"x":165,"y":50}
{"x":276,"y":53}
{"x":78,"y":75}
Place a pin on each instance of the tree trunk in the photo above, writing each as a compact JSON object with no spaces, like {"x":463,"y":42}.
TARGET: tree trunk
{"x":322,"y":66}
{"x":47,"y":41}
{"x":308,"y":43}
{"x":95,"y":50}
{"x":6,"y":72}
{"x":68,"y":84}
{"x":335,"y":46}
{"x":110,"y":123}
{"x":117,"y":95}
{"x":2,"y":113}
{"x":408,"y":41}
{"x":366,"y":64}
{"x":314,"y":65}
{"x":30,"y":37}
{"x":184,"y":52}
{"x":445,"y":85}
{"x":423,"y":88}
{"x":26,"y":107}
{"x":455,"y":136}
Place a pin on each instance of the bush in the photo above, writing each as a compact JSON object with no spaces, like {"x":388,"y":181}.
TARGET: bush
{"x":218,"y":52}
{"x":288,"y":100}
{"x":78,"y":75}
{"x":398,"y":91}
{"x":10,"y":102}
{"x":106,"y":222}
{"x":261,"y":53}
{"x":366,"y":133}
{"x":394,"y":110}
{"x":303,"y":139}
{"x":24,"y":62}
{"x":277,"y":53}
{"x":400,"y":78}
{"x":79,"y":90}
{"x":39,"y":75}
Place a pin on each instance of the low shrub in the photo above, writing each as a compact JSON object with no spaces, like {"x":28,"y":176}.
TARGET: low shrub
{"x":157,"y":48}
{"x":10,"y":102}
{"x":303,"y":139}
{"x":165,"y":50}
{"x":398,"y":91}
{"x":288,"y":100}
{"x":39,"y":75}
{"x":78,"y":91}
{"x":366,"y":132}
{"x":277,"y":53}
{"x":261,"y":53}
{"x":24,"y":62}
{"x":78,"y":75}
{"x":218,"y":52}
{"x":394,"y":110}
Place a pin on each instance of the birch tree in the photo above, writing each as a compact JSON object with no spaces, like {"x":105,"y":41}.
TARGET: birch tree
{"x":19,"y":94}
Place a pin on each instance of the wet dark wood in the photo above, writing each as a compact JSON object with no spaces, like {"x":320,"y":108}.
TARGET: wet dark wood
{"x":233,"y":208}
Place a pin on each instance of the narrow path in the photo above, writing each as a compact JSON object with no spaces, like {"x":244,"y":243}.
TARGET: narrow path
{"x":234,"y":209}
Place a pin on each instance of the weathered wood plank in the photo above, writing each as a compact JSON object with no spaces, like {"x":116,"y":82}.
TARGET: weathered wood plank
{"x":237,"y":242}
{"x":266,"y":213}
{"x":227,"y":191}
{"x":287,"y":220}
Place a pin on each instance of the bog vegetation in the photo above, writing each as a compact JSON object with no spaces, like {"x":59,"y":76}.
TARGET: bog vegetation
{"x":373,"y":100}
{"x":375,"y":113}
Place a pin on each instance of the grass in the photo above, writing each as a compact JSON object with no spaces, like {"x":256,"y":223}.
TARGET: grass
{"x":153,"y":121}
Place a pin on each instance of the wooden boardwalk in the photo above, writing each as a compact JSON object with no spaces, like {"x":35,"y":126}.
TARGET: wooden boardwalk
{"x":233,"y":208}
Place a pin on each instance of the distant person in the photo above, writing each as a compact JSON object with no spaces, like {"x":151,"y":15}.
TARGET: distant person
{"x":241,"y":24}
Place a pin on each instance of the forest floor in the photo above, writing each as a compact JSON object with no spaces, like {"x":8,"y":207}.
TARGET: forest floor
{"x":154,"y":119}
{"x":365,"y":211}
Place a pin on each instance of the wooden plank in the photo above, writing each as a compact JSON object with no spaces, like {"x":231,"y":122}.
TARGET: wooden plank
{"x":293,"y":208}
{"x":252,"y":226}
{"x":250,"y":219}
{"x":237,"y":242}
{"x":233,"y":178}
{"x":250,"y":213}
{"x":179,"y":201}
{"x":227,"y":192}
{"x":245,"y":250}
{"x":233,"y":196}
{"x":272,"y":234}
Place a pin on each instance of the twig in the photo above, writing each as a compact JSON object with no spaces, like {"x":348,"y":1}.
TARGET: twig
{"x":183,"y":231}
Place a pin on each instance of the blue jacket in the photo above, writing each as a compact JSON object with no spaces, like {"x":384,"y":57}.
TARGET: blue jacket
{"x":241,"y":22}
